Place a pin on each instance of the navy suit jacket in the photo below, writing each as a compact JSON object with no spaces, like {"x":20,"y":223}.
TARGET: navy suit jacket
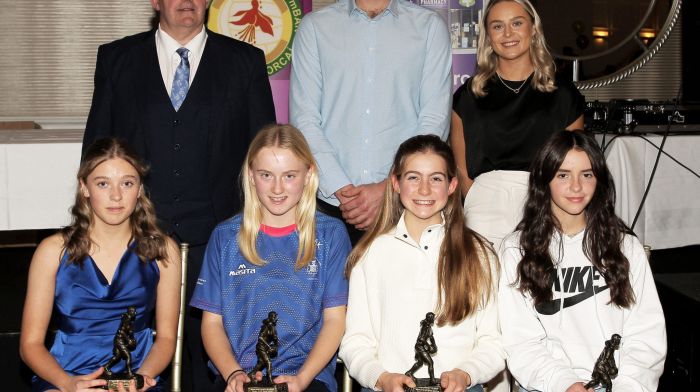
{"x":229,"y":101}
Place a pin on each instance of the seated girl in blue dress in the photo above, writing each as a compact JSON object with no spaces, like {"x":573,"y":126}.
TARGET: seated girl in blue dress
{"x":111,"y":257}
{"x":282,"y":256}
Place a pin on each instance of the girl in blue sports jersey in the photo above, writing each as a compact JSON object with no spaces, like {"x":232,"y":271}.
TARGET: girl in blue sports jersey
{"x":279,"y":255}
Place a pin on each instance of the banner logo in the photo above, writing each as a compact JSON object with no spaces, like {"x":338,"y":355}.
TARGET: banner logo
{"x":268,"y":24}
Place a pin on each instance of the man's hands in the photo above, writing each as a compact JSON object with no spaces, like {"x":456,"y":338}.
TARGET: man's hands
{"x":360,"y":204}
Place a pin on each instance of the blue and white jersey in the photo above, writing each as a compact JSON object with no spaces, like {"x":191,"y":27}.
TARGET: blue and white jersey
{"x":244,"y":293}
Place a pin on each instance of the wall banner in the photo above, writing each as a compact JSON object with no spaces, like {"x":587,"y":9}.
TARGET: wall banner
{"x":270,"y":25}
{"x":462,"y":19}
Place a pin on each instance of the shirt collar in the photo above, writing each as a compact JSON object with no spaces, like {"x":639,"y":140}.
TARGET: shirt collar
{"x":278,"y":231}
{"x":195,"y":46}
{"x":393,"y":7}
{"x":401,"y":231}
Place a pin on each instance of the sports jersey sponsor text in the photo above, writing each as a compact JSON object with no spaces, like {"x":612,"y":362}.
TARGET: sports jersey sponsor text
{"x":242,"y":270}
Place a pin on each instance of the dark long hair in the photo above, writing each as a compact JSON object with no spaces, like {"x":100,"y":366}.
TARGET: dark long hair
{"x":465,"y":275}
{"x":602,"y":241}
{"x":149,"y":239}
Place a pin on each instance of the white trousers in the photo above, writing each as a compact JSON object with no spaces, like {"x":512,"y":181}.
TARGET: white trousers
{"x":493,"y":207}
{"x":494,"y":204}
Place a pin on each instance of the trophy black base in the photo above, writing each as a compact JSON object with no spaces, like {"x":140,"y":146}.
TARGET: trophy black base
{"x":264,"y":386}
{"x":423,"y":385}
{"x":123,"y":378}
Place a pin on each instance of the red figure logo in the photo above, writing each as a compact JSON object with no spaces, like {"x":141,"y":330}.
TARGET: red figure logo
{"x":252,"y":18}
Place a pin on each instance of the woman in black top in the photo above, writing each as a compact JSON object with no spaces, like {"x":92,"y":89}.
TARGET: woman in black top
{"x":504,"y":114}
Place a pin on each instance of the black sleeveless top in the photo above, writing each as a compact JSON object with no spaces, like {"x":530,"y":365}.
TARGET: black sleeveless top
{"x":504,"y":130}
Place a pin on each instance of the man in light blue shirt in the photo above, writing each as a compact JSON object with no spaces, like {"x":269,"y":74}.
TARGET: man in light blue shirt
{"x":367,"y":75}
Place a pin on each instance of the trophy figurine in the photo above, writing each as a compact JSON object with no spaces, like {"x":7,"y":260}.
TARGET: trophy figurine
{"x":124,"y":343}
{"x":265,"y":349}
{"x":605,"y":369}
{"x":425,"y":348}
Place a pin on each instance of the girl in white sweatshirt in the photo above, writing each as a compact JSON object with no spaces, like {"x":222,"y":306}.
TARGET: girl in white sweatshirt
{"x":420,"y":257}
{"x":574,"y":275}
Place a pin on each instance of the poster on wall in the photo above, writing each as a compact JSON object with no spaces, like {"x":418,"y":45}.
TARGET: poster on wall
{"x":270,"y":25}
{"x":462,"y":20}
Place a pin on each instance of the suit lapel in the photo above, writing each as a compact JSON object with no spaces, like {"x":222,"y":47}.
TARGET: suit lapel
{"x":201,"y":89}
{"x":152,"y":77}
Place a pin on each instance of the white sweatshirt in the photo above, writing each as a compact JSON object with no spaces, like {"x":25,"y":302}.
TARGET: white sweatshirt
{"x":391,"y":290}
{"x":557,"y":344}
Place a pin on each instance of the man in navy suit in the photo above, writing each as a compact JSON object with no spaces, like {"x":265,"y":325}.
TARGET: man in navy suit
{"x":189,"y":101}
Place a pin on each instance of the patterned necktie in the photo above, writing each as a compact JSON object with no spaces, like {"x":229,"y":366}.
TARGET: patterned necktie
{"x":181,"y":81}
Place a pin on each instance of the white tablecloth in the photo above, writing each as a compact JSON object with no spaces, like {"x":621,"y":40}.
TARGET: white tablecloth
{"x":37,"y":177}
{"x":670,"y":216}
{"x":38,"y":167}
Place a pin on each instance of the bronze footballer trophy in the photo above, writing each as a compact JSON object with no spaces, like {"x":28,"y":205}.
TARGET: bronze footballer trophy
{"x":425,"y":348}
{"x":265,"y":349}
{"x":605,"y":369}
{"x":124,"y":343}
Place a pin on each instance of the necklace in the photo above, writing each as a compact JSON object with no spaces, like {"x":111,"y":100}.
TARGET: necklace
{"x":515,"y":90}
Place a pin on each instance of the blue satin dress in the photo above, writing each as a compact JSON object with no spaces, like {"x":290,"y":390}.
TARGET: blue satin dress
{"x":88,"y":309}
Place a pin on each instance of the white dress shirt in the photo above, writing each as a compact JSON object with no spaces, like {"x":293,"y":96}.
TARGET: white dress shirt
{"x":169,"y":60}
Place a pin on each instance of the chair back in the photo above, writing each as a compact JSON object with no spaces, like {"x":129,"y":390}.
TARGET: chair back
{"x":176,"y":365}
{"x":347,"y":380}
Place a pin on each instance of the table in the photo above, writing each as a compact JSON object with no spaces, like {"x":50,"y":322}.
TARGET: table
{"x":670,"y":217}
{"x":37,"y":177}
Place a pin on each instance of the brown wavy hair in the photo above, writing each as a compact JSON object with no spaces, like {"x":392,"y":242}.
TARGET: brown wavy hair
{"x":465,"y":274}
{"x":487,"y":59}
{"x":150,"y":240}
{"x":602,"y":241}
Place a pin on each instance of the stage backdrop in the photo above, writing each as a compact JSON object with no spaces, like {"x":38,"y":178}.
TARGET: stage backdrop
{"x":271,"y":25}
{"x":462,"y":19}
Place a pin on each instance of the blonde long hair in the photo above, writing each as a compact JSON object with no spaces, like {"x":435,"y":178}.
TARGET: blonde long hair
{"x":465,"y":275}
{"x":287,"y":137}
{"x":487,"y":59}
